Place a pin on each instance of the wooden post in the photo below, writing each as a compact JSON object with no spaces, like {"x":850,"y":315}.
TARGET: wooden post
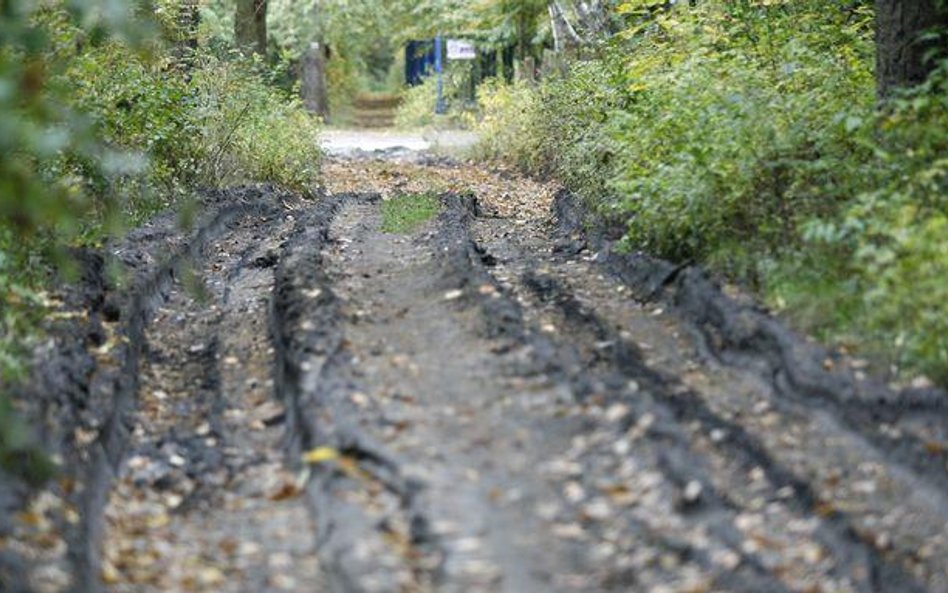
{"x":313,"y":86}
{"x":527,"y":69}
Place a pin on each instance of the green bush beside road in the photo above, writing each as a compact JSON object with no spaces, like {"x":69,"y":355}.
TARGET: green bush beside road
{"x":107,"y":117}
{"x":746,"y":136}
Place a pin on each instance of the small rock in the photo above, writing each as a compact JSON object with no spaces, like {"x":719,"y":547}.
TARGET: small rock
{"x":692,"y":492}
{"x":617,"y":412}
{"x":574,"y":492}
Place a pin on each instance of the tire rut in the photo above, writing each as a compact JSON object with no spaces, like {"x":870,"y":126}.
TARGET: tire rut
{"x":302,"y":401}
{"x":865,"y":528}
{"x":203,"y":502}
{"x":907,"y":426}
{"x":414,"y":372}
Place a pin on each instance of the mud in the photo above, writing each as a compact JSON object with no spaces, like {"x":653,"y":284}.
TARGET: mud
{"x":85,"y":388}
{"x":288,"y":398}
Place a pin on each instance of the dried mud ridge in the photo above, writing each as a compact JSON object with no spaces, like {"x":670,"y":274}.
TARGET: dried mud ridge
{"x":480,"y":407}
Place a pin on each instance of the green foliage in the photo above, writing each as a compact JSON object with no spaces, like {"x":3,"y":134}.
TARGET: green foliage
{"x":220,"y":125}
{"x":405,"y":213}
{"x":140,"y":112}
{"x":105,"y":119}
{"x":417,"y":109}
{"x":745,"y":135}
{"x":123,"y":130}
{"x":506,"y":127}
{"x":733,"y":136}
{"x":360,"y":35}
{"x":366,"y":37}
{"x":894,"y":235}
{"x":250,"y":131}
{"x":557,"y":128}
{"x":42,"y":197}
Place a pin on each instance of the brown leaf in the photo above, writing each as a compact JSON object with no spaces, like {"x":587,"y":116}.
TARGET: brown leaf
{"x":285,"y":491}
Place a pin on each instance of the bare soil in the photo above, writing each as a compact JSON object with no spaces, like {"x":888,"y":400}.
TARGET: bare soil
{"x":493,"y":402}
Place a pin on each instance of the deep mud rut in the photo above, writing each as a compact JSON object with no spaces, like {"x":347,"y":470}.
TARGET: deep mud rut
{"x":485,"y":405}
{"x":193,"y":507}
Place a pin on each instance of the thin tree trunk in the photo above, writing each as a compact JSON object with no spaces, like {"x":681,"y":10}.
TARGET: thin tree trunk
{"x":522,"y":33}
{"x":565,"y":37}
{"x":186,"y":46}
{"x":313,"y":86}
{"x":250,"y":25}
{"x":903,"y":57}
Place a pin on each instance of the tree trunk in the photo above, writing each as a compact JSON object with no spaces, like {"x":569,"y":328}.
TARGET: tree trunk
{"x":522,"y":33}
{"x":592,"y":18}
{"x":564,"y":35}
{"x":903,"y":58}
{"x":313,"y":81}
{"x":186,"y":46}
{"x":250,"y":25}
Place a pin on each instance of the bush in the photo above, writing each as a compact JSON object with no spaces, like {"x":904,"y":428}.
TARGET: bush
{"x":214,"y":122}
{"x":734,"y":136}
{"x":417,"y":109}
{"x":507,"y":125}
{"x":556,"y":128}
{"x":250,"y":131}
{"x":101,"y":124}
{"x":418,"y":102}
{"x":890,"y":243}
{"x":745,"y":136}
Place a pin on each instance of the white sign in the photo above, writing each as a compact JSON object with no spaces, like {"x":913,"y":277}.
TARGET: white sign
{"x":458,"y":49}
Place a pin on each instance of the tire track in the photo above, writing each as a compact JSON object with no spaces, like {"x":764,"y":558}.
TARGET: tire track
{"x":373,"y":534}
{"x":909,"y":427}
{"x":98,"y":461}
{"x":855,"y":555}
{"x":201,"y":501}
{"x":862,"y":555}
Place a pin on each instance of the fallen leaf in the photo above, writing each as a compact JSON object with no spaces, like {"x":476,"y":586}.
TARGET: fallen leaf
{"x":321,"y":455}
{"x":109,"y":574}
{"x":285,"y":491}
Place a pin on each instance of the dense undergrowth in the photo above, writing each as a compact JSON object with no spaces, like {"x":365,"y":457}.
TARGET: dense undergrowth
{"x":107,"y":116}
{"x":746,"y":136}
{"x":417,"y":109}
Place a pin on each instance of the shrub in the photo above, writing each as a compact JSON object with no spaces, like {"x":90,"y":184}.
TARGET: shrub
{"x":507,"y":125}
{"x":417,"y":109}
{"x":745,"y":136}
{"x":890,"y":243}
{"x":101,"y":125}
{"x":250,"y":131}
{"x":735,"y":135}
{"x":218,"y":123}
{"x":418,"y":102}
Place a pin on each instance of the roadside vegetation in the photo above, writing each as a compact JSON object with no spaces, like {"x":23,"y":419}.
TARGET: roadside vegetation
{"x":110,"y":112}
{"x":747,"y":136}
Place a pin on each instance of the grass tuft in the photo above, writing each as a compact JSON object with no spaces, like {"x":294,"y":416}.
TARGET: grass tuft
{"x":404,"y":214}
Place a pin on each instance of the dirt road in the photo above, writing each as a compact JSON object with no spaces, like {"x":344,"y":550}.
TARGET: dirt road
{"x":486,"y":400}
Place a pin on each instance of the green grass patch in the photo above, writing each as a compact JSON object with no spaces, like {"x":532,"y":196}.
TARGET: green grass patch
{"x":404,"y":214}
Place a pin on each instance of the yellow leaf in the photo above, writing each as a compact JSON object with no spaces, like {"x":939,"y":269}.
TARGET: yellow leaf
{"x":110,"y":575}
{"x":320,"y":455}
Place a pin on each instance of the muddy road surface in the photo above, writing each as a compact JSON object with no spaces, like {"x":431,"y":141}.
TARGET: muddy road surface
{"x":431,"y":380}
